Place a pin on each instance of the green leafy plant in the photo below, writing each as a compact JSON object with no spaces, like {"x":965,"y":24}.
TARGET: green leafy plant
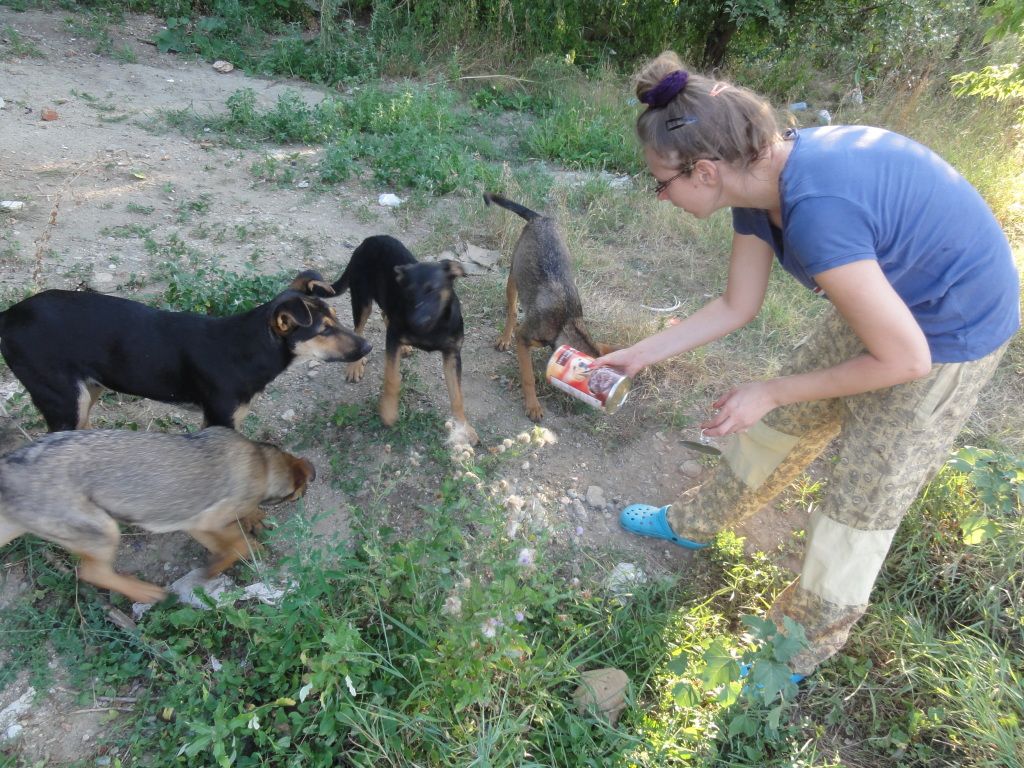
{"x":998,"y":481}
{"x":214,"y":291}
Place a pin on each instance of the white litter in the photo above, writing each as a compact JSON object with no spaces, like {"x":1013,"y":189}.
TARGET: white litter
{"x":389,"y":200}
{"x":221,"y":589}
{"x":11,"y":205}
{"x":673,"y":308}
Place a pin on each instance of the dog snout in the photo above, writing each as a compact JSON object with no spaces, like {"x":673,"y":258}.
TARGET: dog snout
{"x":349,"y":347}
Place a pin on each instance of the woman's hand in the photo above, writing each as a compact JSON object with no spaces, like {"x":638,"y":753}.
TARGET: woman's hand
{"x":628,"y":361}
{"x":740,"y":408}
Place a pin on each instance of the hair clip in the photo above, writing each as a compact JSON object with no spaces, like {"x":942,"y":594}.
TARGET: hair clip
{"x":679,"y":122}
{"x":719,"y":87}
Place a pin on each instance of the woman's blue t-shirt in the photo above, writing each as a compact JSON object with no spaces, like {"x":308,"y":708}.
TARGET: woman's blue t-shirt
{"x":853,"y":192}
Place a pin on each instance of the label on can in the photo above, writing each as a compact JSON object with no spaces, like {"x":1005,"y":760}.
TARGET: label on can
{"x":573,"y":372}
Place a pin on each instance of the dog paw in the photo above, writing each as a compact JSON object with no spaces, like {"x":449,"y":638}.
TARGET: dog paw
{"x":502,"y":344}
{"x":406,"y":350}
{"x":462,"y":434}
{"x":143,"y":592}
{"x":534,"y":411}
{"x":388,"y":412}
{"x":354,"y":371}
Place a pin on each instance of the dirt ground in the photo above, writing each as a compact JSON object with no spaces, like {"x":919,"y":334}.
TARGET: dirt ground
{"x":76,"y":176}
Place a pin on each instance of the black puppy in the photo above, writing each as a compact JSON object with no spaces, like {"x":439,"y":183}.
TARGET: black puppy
{"x":65,"y":346}
{"x":420,"y":309}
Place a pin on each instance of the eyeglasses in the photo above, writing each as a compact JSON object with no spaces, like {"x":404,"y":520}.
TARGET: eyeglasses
{"x":661,"y":186}
{"x":686,"y":170}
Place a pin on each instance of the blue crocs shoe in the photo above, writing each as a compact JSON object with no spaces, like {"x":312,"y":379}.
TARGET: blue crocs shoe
{"x":645,"y":520}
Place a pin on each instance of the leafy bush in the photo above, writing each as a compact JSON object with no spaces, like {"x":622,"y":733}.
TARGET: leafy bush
{"x":214,"y":291}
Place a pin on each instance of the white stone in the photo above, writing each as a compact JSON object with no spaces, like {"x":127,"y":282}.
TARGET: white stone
{"x":623,"y":578}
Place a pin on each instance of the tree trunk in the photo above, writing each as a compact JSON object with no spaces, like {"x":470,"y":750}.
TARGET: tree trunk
{"x":717,"y":41}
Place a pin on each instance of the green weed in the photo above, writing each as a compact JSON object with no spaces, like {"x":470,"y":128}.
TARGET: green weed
{"x":584,"y":137}
{"x":214,"y":291}
{"x":16,"y":45}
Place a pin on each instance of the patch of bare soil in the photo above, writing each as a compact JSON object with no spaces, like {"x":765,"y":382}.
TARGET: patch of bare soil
{"x":77,"y":174}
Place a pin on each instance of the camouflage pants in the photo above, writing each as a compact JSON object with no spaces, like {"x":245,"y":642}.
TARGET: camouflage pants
{"x":890,"y":443}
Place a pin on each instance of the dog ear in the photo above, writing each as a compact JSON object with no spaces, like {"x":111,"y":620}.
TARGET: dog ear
{"x":311,"y":283}
{"x":453,"y":268}
{"x":291,"y":314}
{"x":400,"y":274}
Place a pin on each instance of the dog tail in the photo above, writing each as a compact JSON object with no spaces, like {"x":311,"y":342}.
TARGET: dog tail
{"x":523,"y":211}
{"x":341,"y":284}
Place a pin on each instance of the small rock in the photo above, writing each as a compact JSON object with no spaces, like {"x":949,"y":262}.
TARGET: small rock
{"x":595,"y":496}
{"x":48,"y":114}
{"x":389,"y":200}
{"x":623,"y":578}
{"x":602,"y":693}
{"x":223,"y":66}
{"x":691,"y":468}
{"x":578,"y":509}
{"x":2,"y":103}
{"x":288,"y":415}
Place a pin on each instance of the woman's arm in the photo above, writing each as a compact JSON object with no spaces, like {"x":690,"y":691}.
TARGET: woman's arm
{"x":897,"y":351}
{"x":749,"y":266}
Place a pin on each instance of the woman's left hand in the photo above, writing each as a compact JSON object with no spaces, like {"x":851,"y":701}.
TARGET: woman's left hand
{"x":740,"y":408}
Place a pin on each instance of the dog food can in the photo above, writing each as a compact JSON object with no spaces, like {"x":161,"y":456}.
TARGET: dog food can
{"x":573,"y":372}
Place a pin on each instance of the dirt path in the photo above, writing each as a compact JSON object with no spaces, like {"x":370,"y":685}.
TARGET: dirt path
{"x":78,"y":174}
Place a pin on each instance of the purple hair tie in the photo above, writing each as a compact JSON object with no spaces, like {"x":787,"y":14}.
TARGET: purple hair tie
{"x":670,"y":86}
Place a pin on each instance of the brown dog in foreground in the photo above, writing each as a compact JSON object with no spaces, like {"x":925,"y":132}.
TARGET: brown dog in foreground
{"x":73,"y":488}
{"x":541,"y":280}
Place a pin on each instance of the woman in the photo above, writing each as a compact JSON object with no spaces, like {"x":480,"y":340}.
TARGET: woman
{"x":924,"y":298}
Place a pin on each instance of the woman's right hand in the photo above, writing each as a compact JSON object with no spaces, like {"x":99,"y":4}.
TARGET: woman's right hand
{"x":627,"y":361}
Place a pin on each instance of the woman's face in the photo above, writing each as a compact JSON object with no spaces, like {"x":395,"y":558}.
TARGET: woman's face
{"x":696,"y":193}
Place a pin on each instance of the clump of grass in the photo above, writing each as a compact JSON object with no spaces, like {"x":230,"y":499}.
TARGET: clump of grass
{"x":414,"y":137}
{"x":211,"y":290}
{"x":17,"y":45}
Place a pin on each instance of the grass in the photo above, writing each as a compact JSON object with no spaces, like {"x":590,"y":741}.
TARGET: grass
{"x":444,"y":648}
{"x":16,"y":45}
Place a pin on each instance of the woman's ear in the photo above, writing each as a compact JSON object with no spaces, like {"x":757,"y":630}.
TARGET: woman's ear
{"x":706,"y":171}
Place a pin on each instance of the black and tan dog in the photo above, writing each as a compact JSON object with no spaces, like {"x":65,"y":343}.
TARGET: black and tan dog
{"x":73,"y":488}
{"x":65,"y":346}
{"x":540,"y":278}
{"x":420,"y":309}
